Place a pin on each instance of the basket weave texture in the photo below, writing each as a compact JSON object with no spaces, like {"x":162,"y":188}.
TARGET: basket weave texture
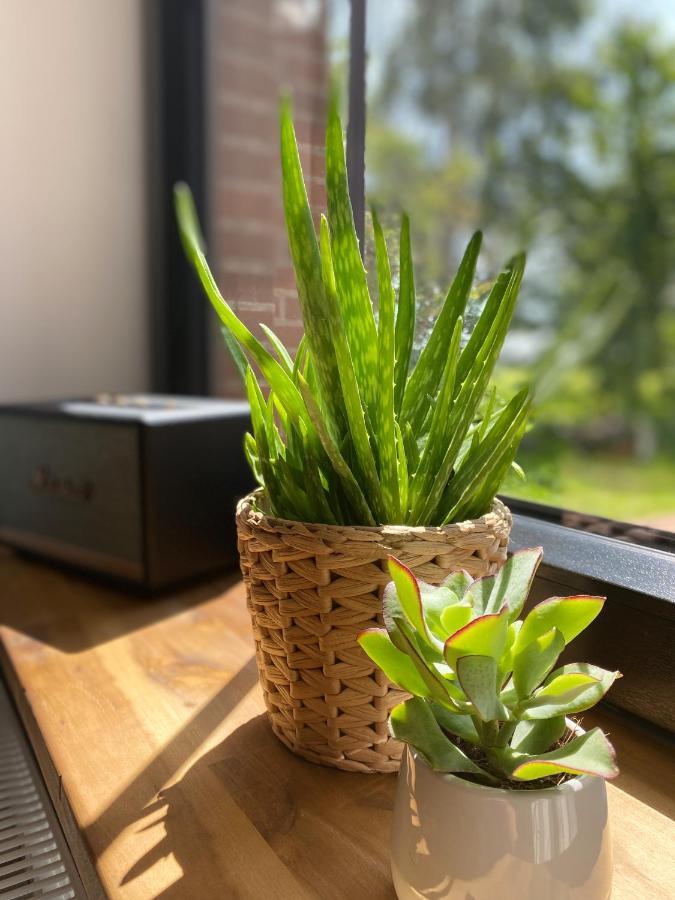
{"x":310,"y":590}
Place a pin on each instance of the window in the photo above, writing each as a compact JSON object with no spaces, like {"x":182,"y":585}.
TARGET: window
{"x":550,"y":126}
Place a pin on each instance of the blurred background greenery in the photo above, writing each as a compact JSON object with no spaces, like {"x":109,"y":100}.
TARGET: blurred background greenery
{"x":551,"y":126}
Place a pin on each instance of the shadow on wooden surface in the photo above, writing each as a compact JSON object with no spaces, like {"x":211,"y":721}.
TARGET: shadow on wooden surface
{"x":313,"y":819}
{"x":137,"y":798}
{"x":74,"y":612}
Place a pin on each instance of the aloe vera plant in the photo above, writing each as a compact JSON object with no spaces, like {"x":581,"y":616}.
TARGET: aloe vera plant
{"x":488,"y":699}
{"x":350,"y":432}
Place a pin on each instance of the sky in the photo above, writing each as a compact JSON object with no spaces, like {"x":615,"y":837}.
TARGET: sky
{"x":386,"y":18}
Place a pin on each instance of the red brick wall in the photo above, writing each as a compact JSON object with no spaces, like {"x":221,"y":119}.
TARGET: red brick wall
{"x":257,"y":47}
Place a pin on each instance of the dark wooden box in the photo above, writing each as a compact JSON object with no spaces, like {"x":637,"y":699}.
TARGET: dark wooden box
{"x":142,"y":488}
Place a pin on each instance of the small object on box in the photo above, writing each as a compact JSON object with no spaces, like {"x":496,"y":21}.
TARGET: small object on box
{"x":140,"y":487}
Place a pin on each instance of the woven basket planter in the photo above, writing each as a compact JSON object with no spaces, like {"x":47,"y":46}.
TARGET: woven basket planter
{"x":310,"y":590}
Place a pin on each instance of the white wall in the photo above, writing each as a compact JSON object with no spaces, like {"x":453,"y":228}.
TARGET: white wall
{"x":73,"y":279}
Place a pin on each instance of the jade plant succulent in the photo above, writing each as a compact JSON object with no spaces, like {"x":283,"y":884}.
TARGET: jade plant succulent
{"x":488,"y":701}
{"x":350,"y":431}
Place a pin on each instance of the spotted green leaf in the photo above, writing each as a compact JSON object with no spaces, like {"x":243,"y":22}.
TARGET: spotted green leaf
{"x":304,"y":249}
{"x":477,"y":676}
{"x":405,"y":313}
{"x":350,"y":276}
{"x":426,"y":376}
{"x":348,"y":383}
{"x":386,"y":429}
{"x":273,"y":371}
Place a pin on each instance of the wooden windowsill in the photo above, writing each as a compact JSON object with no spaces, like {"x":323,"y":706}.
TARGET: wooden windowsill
{"x":149,"y":726}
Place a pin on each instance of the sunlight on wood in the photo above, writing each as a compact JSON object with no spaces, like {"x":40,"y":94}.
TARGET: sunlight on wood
{"x":149,"y":726}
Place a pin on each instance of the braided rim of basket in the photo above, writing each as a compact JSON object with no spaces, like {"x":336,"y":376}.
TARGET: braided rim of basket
{"x":252,"y":509}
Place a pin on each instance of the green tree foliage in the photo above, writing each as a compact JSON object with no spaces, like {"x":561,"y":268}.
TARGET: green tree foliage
{"x":560,"y":140}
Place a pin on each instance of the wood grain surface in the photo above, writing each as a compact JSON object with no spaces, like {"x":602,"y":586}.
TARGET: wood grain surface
{"x":148,"y":722}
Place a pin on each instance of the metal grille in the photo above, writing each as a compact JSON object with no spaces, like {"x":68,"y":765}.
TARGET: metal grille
{"x":34,"y":859}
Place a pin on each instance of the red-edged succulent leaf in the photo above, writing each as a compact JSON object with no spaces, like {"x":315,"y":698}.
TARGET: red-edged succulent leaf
{"x":538,"y":736}
{"x":409,"y":596}
{"x":513,"y":581}
{"x":435,"y":600}
{"x":477,"y":676}
{"x":413,"y":722}
{"x":588,"y":754}
{"x":455,"y":617}
{"x":483,"y":636}
{"x":404,"y":639}
{"x":455,"y":723}
{"x":570,"y":689}
{"x":396,"y":665}
{"x":459,"y":582}
{"x":533,"y":662}
{"x":570,"y":615}
{"x":506,"y":661}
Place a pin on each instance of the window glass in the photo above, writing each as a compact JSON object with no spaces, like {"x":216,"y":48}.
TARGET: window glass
{"x":550,"y":126}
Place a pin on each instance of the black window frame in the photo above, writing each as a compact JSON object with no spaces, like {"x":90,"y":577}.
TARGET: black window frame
{"x":175,"y":37}
{"x":637,"y":629}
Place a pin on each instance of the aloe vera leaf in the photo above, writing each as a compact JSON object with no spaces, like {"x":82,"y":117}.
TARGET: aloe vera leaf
{"x":236,"y":352}
{"x":306,"y":465}
{"x":257,"y":405}
{"x":405,"y":314}
{"x":403,"y":476}
{"x":300,"y":358}
{"x":279,"y":349}
{"x":386,"y":431}
{"x":350,"y":485}
{"x":493,"y":323}
{"x":305,"y":468}
{"x":411,"y":447}
{"x":348,"y":383}
{"x":487,"y":414}
{"x":311,"y":378}
{"x":292,"y":499}
{"x":434,"y":449}
{"x":273,"y":436}
{"x":425,"y":378}
{"x":350,"y":276}
{"x":252,"y":457}
{"x":490,"y":448}
{"x":513,"y":275}
{"x":425,"y":508}
{"x":304,"y":249}
{"x":471,"y":391}
{"x":320,"y":505}
{"x":276,"y":376}
{"x":478,"y":498}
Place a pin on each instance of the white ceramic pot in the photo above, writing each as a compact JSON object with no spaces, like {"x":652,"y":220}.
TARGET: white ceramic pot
{"x":456,"y":840}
